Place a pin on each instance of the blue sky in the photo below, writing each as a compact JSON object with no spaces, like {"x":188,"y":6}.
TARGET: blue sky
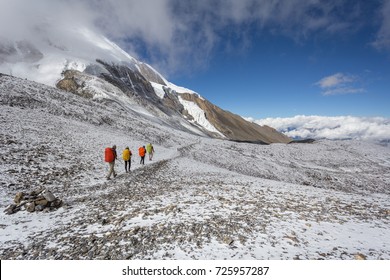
{"x":278,"y":75}
{"x":256,"y":58}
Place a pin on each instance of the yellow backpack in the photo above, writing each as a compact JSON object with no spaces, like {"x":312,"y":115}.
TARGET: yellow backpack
{"x":126,"y":154}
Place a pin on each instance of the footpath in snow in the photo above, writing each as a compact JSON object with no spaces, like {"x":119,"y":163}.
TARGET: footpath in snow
{"x":200,"y":198}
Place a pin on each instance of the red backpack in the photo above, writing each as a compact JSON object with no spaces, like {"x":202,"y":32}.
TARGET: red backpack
{"x":109,"y":155}
{"x":141,"y":151}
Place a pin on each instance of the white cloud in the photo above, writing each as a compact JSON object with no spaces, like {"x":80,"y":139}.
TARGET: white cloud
{"x":383,"y":37}
{"x":339,"y":83}
{"x":343,"y":90}
{"x":168,"y":32}
{"x":335,"y":80}
{"x":342,"y":127}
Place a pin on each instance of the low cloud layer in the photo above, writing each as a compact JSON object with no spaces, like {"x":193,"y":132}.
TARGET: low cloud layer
{"x":342,"y":127}
{"x":168,"y":32}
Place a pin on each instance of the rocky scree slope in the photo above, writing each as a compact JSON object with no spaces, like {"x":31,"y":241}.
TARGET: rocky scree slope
{"x":200,"y":198}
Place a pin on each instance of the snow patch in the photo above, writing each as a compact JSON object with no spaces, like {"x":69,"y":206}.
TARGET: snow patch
{"x":158,"y":89}
{"x":199,"y":115}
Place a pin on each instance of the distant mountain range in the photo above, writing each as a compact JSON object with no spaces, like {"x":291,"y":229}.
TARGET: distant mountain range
{"x":97,"y":69}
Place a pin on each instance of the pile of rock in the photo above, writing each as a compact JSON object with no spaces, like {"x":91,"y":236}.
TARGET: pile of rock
{"x":38,"y":200}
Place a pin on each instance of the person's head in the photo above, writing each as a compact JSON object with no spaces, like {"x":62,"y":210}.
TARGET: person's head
{"x":127,"y":147}
{"x":143,"y":146}
{"x":114,"y":147}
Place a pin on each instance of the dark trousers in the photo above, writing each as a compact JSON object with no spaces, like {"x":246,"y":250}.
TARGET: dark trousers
{"x":127,"y":163}
{"x":142,"y":160}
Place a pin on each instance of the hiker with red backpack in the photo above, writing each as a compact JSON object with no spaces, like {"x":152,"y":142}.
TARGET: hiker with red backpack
{"x":142,"y":153}
{"x":110,"y":157}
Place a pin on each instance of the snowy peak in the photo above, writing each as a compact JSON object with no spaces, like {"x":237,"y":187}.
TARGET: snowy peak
{"x":92,"y":66}
{"x":43,"y":59}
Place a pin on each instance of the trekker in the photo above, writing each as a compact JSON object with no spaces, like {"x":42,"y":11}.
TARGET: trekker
{"x":142,"y":152}
{"x":110,"y":157}
{"x":150,"y":150}
{"x":126,"y":155}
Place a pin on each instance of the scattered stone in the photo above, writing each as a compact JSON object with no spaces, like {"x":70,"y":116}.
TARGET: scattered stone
{"x":170,"y":208}
{"x":18,"y":197}
{"x":36,"y":192}
{"x":292,"y":238}
{"x":11,"y":209}
{"x":136,"y":230}
{"x":360,"y":256}
{"x":41,"y":201}
{"x":30,"y":207}
{"x":57,"y":203}
{"x":39,"y":208}
{"x":228,"y":240}
{"x":48,"y":195}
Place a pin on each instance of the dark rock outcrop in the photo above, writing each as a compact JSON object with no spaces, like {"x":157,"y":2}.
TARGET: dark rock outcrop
{"x":135,"y":82}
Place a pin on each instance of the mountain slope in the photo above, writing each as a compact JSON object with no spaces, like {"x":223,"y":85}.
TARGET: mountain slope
{"x":200,"y":198}
{"x":92,"y":64}
{"x":234,"y":127}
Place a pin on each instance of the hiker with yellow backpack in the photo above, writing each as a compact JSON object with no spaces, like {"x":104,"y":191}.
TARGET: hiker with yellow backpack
{"x":126,"y":155}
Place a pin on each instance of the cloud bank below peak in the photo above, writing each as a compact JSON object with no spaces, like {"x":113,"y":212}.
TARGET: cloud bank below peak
{"x":322,"y":127}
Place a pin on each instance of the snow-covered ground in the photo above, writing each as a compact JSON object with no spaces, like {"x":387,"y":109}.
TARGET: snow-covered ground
{"x":199,"y":198}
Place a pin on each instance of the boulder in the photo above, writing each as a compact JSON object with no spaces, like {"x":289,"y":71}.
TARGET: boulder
{"x":11,"y":209}
{"x":39,"y":208}
{"x":360,"y":256}
{"x":30,"y":207}
{"x":56,"y":203}
{"x":41,"y":201}
{"x":18,"y":197}
{"x":48,"y":195}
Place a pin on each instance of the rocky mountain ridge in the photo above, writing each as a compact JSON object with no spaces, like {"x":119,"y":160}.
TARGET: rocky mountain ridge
{"x":136,"y":83}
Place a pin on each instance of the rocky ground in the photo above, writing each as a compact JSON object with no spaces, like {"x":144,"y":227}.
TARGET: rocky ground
{"x":180,"y":209}
{"x":200,"y":198}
